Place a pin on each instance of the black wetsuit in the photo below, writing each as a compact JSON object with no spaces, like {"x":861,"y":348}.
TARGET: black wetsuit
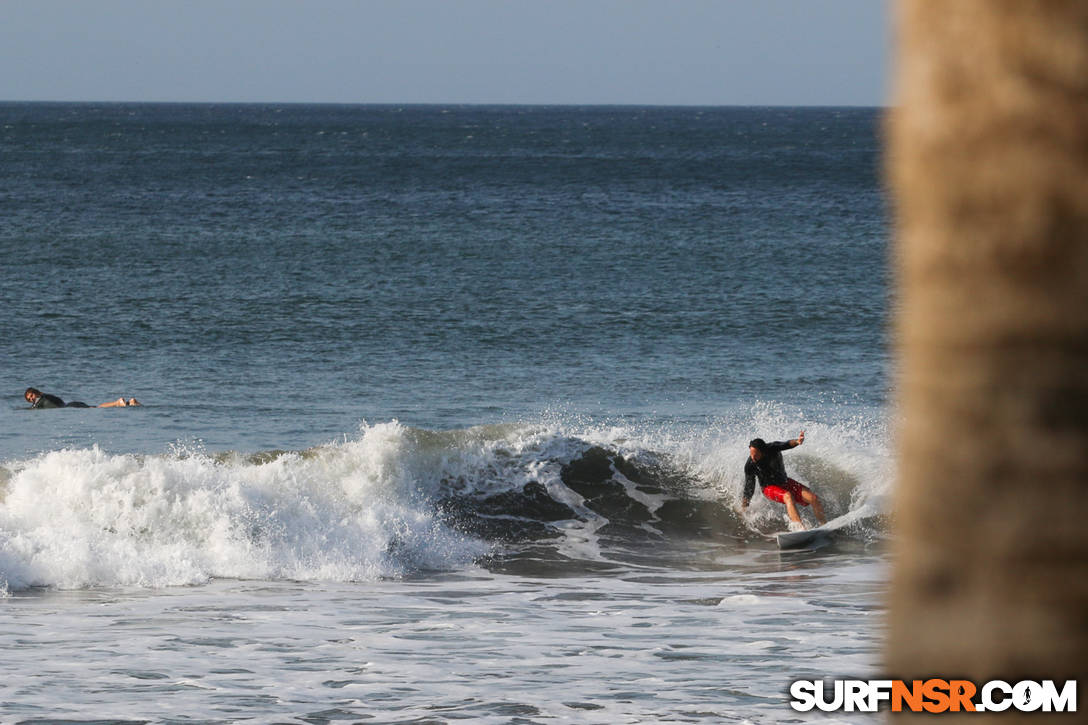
{"x":52,"y":401}
{"x":769,"y":469}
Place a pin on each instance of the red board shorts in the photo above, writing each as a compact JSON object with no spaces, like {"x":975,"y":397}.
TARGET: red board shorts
{"x":791,"y":487}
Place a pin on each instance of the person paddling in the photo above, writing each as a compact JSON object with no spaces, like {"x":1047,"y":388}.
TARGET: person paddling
{"x":765,"y":463}
{"x":40,"y":400}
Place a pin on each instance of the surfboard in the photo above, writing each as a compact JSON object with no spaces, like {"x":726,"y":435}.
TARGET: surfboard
{"x":801,"y":539}
{"x":810,"y":538}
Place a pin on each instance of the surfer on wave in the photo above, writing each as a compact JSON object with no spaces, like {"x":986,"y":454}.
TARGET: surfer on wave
{"x":39,"y":400}
{"x":765,"y":463}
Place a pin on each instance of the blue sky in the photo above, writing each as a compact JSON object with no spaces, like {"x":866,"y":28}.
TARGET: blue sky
{"x":665,"y":52}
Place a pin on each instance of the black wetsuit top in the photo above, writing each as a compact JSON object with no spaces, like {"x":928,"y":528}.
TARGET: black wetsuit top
{"x":52,"y":401}
{"x":770,"y":470}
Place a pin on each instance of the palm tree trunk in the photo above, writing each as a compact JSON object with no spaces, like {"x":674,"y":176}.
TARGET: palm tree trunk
{"x":989,"y":164}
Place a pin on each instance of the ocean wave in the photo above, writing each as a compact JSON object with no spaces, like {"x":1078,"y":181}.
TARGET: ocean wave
{"x":395,"y":500}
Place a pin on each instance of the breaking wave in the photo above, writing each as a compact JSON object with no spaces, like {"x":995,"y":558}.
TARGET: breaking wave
{"x":394,"y":501}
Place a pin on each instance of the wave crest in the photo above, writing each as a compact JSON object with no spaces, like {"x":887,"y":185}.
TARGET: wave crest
{"x":392,"y":501}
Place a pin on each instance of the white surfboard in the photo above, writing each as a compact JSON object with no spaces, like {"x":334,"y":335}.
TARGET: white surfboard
{"x":808,"y":538}
{"x":804,"y":539}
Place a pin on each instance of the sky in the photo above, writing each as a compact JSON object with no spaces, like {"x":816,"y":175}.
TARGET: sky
{"x":643,"y":52}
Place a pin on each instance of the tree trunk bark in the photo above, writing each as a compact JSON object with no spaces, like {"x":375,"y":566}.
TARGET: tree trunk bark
{"x":989,"y":165}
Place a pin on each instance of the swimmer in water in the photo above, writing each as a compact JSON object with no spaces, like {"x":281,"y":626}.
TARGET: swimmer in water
{"x":40,"y":400}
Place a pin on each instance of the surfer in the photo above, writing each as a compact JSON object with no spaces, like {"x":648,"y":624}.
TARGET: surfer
{"x":39,"y":400}
{"x":765,"y":463}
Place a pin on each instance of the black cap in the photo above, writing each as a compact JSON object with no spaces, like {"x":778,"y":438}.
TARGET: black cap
{"x":757,"y":443}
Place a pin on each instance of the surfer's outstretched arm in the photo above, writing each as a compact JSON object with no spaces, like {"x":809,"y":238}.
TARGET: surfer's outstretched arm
{"x":120,"y":403}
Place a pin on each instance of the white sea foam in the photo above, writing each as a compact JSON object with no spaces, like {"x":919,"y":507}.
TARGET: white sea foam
{"x":79,"y":518}
{"x":740,"y":600}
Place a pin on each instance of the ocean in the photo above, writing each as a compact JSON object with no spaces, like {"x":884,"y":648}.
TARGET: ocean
{"x":444,"y":411}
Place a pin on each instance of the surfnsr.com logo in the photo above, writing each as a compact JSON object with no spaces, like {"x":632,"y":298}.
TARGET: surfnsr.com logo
{"x":933,"y":696}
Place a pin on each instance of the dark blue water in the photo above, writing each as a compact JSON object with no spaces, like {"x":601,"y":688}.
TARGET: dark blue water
{"x":268,"y":276}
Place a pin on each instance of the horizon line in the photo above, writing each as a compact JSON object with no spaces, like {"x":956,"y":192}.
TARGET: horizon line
{"x":506,"y":104}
